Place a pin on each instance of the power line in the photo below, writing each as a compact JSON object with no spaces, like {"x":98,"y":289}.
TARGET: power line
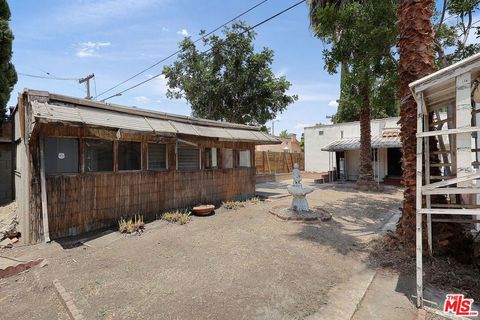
{"x":46,"y":77}
{"x":178,"y":51}
{"x":246,"y":30}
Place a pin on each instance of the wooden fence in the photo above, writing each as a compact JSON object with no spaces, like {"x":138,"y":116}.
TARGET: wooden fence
{"x":278,"y":162}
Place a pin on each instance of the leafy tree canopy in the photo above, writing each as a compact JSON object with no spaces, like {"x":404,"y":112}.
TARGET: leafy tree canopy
{"x":8,"y":75}
{"x":360,"y":35}
{"x":229,"y":82}
{"x":454,"y":30}
{"x":283,"y":134}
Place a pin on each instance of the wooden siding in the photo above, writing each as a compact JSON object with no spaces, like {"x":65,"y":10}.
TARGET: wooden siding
{"x":83,"y":202}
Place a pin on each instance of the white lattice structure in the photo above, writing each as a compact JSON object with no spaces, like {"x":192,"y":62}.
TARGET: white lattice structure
{"x":449,"y":96}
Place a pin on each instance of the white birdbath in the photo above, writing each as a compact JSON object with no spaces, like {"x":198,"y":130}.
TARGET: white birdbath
{"x":299,"y":202}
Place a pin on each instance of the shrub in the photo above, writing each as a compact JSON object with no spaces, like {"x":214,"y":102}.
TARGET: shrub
{"x":233,"y":205}
{"x":177,"y":216}
{"x":131,"y":225}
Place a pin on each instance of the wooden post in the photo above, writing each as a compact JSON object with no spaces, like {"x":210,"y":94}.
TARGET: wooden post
{"x":419,"y":245}
{"x":43,"y":186}
{"x":463,"y":119}
{"x":427,"y":182}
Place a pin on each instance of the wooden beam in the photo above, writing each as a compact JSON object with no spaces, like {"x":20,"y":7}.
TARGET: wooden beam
{"x":448,"y":131}
{"x":43,"y":191}
{"x":427,"y":181}
{"x":453,"y":191}
{"x":418,"y":218}
{"x":457,"y":220}
{"x":450,"y":181}
{"x":456,"y":205}
{"x":450,"y":211}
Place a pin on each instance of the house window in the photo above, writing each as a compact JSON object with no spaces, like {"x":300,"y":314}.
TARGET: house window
{"x":98,"y":155}
{"x":320,"y":133}
{"x":61,"y":155}
{"x":129,"y":155}
{"x":211,"y":158}
{"x":188,"y":158}
{"x":245,"y":158}
{"x":227,"y":158}
{"x":157,"y":156}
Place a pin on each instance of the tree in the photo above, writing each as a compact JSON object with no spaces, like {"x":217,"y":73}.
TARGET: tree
{"x":451,"y":41}
{"x":229,"y":81}
{"x":8,"y":75}
{"x":416,"y":51}
{"x":360,"y":35}
{"x":283,"y":134}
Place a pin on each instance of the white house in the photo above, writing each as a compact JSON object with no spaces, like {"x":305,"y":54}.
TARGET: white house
{"x":337,"y":147}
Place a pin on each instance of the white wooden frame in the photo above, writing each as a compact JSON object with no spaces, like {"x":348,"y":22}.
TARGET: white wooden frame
{"x":461,"y":164}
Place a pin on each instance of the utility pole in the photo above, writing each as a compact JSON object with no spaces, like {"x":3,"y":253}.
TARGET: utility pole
{"x":87,"y":80}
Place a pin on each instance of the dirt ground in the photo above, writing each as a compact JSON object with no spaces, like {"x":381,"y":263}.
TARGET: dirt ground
{"x":243,"y":264}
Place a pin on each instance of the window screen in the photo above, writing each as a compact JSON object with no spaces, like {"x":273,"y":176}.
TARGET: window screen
{"x":245,"y":158}
{"x":129,"y":155}
{"x":61,"y":155}
{"x":227,"y":158}
{"x":157,"y":156}
{"x":211,"y":158}
{"x":188,"y":158}
{"x":98,"y":155}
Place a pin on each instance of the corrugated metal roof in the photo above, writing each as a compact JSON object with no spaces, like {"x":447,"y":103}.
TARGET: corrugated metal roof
{"x":119,"y":120}
{"x":354,"y":143}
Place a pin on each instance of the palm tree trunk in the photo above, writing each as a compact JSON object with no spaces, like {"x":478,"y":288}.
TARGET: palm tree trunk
{"x":365,"y":179}
{"x":415,"y":47}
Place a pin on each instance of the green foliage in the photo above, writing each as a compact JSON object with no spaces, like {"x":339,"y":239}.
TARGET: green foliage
{"x":8,"y":75}
{"x":229,"y":82}
{"x":283,"y":134}
{"x":451,"y":40}
{"x":360,"y":36}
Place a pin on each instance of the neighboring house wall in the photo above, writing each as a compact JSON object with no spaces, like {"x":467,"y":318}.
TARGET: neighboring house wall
{"x":291,"y":143}
{"x":318,"y":137}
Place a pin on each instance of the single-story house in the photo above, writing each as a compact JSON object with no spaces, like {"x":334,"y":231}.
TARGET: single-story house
{"x":81,"y":165}
{"x":337,"y":147}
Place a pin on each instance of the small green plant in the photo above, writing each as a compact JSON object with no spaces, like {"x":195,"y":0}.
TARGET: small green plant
{"x":255,"y":200}
{"x":233,"y":205}
{"x":131,"y":225}
{"x":182,"y":217}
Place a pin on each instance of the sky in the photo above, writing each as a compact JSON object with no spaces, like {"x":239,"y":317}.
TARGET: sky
{"x":115,"y":39}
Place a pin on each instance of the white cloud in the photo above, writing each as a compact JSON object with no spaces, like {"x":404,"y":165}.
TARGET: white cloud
{"x":90,"y":49}
{"x":333,"y":103}
{"x":142,"y":99}
{"x":165,"y":29}
{"x":183,"y":32}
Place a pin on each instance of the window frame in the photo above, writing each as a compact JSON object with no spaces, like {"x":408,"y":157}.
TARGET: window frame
{"x":216,"y":167}
{"x":249,"y":158}
{"x":79,"y":154}
{"x":118,"y":156}
{"x":233,"y":158}
{"x":199,"y":157}
{"x":166,"y":157}
{"x":114,"y":155}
